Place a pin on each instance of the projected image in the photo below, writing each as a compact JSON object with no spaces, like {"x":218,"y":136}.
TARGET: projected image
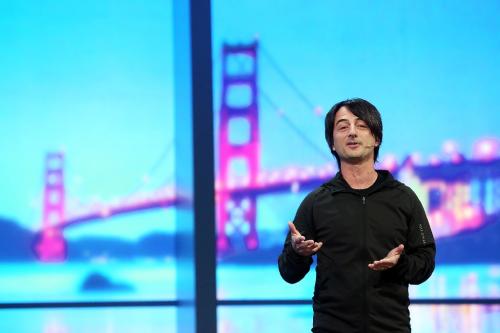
{"x":125,"y":319}
{"x":431,"y":319}
{"x":440,"y":137}
{"x":88,"y":198}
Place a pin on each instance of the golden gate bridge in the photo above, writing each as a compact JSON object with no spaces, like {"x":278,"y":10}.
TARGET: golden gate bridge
{"x":236,"y":192}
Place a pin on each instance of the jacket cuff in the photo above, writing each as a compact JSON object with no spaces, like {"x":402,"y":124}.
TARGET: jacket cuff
{"x":296,"y":258}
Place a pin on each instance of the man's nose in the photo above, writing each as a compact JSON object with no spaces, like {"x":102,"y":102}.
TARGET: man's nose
{"x":352,"y":130}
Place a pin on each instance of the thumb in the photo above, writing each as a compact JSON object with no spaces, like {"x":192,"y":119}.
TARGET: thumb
{"x":293,"y":230}
{"x":399,"y":249}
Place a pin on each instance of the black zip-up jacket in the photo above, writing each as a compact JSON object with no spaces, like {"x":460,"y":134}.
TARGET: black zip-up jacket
{"x":356,"y":228}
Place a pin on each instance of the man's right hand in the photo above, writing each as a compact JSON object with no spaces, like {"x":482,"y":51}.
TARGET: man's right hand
{"x":301,"y":245}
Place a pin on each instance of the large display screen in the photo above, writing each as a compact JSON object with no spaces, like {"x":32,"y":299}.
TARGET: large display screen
{"x":425,"y":318}
{"x":87,"y":194}
{"x":431,"y":69}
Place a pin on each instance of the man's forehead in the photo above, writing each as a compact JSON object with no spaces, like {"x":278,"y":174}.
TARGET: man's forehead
{"x":344,"y":114}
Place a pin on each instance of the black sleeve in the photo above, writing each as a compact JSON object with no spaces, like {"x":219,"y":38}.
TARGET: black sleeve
{"x":292,"y":266}
{"x":416,"y":264}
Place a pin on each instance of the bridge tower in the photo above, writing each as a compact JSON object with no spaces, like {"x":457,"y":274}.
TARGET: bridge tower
{"x":239,"y":144}
{"x":50,"y":245}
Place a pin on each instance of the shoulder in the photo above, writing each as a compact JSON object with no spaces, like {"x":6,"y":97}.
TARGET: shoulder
{"x":325,"y":189}
{"x":406,"y":194}
{"x":312,"y":196}
{"x":392,"y":184}
{"x":406,"y":190}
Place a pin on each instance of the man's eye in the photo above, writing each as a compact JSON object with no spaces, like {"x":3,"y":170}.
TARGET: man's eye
{"x":342,"y":128}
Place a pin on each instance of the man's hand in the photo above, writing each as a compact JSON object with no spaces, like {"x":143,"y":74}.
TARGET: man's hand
{"x":301,"y":245}
{"x":389,"y":261}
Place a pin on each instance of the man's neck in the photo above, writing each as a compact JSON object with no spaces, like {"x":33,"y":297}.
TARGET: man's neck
{"x":359,"y":176}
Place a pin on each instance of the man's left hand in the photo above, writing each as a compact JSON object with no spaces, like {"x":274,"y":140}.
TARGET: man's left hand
{"x":389,"y":261}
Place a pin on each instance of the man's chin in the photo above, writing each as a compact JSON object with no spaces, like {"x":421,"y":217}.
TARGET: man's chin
{"x":355,"y":159}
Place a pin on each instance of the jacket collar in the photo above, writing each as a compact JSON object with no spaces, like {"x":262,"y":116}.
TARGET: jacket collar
{"x":338,"y":183}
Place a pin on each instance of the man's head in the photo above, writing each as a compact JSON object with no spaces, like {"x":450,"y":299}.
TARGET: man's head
{"x":353,"y":129}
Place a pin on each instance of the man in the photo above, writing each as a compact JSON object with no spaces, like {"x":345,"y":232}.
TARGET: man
{"x":368,"y":230}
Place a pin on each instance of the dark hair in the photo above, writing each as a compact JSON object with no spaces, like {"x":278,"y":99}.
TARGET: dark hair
{"x":362,"y":109}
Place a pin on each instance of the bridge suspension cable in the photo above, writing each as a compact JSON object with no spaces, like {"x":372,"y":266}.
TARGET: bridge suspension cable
{"x":295,"y":128}
{"x":307,"y":102}
{"x":154,"y":168}
{"x":286,"y":78}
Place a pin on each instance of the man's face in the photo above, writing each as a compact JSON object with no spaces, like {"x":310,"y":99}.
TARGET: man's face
{"x":352,"y":139}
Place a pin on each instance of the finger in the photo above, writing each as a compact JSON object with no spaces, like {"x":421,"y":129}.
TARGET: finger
{"x":377,"y":263}
{"x":385,"y":265}
{"x":379,"y":267}
{"x":306,"y":244}
{"x":381,"y":264}
{"x":308,"y":249}
{"x":317,"y":247}
{"x":298,"y":239}
{"x":292,"y":228}
{"x":385,"y":261}
{"x":397,"y":250}
{"x":312,"y":248}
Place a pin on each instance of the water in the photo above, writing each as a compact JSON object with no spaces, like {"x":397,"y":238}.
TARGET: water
{"x":149,"y":280}
{"x":155,"y":280}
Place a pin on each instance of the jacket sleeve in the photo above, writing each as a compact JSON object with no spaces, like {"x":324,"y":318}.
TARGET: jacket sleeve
{"x":292,"y":266}
{"x":417,"y":262}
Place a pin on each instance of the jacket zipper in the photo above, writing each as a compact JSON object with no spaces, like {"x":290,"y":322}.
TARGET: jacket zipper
{"x":365,"y":251}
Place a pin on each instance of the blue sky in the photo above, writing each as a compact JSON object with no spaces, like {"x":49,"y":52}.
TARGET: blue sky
{"x":431,"y":68}
{"x":95,"y":78}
